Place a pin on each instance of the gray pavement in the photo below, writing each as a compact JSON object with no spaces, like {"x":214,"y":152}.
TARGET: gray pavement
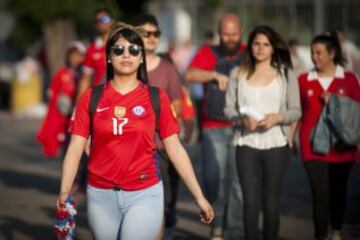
{"x":29,"y":185}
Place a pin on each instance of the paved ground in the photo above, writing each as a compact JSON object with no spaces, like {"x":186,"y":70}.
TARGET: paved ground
{"x":29,"y":185}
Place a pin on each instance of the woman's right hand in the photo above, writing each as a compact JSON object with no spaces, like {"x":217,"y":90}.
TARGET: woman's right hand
{"x":222,"y":80}
{"x":250,"y":123}
{"x":206,"y":211}
{"x":60,"y":202}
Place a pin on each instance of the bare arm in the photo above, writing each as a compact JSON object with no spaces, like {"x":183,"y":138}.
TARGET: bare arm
{"x":203,"y":76}
{"x":70,"y":166}
{"x":182,"y":163}
{"x":84,"y":83}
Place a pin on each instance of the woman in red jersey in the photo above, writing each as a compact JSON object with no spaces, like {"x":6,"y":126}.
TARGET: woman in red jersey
{"x":328,"y":173}
{"x":125,"y":192}
{"x":52,"y":133}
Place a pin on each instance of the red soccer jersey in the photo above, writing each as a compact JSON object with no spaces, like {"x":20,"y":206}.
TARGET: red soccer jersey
{"x":52,"y":131}
{"x":346,"y":84}
{"x":123,"y":149}
{"x":205,"y":59}
{"x":95,"y":61}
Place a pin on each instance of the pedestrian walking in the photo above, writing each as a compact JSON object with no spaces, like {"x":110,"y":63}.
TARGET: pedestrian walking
{"x":263,"y":99}
{"x":125,"y":192}
{"x":328,"y":172}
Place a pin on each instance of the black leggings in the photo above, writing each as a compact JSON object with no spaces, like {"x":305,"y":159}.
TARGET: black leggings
{"x":329,"y":186}
{"x":261,"y":173}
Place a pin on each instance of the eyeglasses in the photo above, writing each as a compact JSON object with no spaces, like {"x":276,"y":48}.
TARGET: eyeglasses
{"x":156,"y":34}
{"x":103,"y":19}
{"x":119,"y":50}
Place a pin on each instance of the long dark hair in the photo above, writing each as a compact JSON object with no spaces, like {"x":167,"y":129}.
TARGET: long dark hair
{"x":132,"y":37}
{"x":281,"y":54}
{"x":332,"y":43}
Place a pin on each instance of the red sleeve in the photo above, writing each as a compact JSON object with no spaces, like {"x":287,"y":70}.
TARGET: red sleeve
{"x":174,"y":86}
{"x":80,"y":120}
{"x":204,"y":59}
{"x":168,"y":124}
{"x":354,"y":86}
{"x":56,"y":83}
{"x":88,"y":59}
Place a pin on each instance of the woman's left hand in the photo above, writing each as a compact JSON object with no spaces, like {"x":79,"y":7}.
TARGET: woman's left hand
{"x":206,"y":211}
{"x":270,"y":120}
{"x":326,"y":97}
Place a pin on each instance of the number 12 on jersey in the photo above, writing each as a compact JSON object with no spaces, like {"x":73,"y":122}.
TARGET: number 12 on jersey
{"x":118,"y":125}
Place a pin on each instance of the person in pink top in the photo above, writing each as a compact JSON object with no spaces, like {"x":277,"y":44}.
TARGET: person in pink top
{"x":125,"y":191}
{"x":162,"y":74}
{"x":328,"y":173}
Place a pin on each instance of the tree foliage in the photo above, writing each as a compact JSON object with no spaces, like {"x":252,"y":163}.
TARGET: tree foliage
{"x":31,"y":15}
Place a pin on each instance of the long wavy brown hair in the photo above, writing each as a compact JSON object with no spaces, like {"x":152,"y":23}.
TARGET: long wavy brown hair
{"x":281,"y":55}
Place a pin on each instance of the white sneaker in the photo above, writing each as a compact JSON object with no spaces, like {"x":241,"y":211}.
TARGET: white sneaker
{"x":336,"y":235}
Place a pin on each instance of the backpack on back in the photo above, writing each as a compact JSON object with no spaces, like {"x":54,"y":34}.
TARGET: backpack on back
{"x":214,"y":101}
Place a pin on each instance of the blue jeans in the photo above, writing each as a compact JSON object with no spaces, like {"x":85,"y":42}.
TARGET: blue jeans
{"x":127,"y":215}
{"x":220,"y":185}
{"x":235,"y":212}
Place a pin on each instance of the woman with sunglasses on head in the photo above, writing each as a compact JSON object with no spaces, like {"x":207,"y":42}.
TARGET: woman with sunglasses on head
{"x":125,"y":192}
{"x":263,"y":98}
{"x":328,"y":173}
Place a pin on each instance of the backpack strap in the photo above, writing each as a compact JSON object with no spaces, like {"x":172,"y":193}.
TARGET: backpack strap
{"x":155,"y":102}
{"x":94,"y":101}
{"x":217,"y":51}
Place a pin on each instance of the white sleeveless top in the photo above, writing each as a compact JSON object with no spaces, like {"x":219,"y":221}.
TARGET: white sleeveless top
{"x":264,"y":99}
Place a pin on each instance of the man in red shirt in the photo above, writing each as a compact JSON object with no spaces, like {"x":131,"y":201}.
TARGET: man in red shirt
{"x":211,"y":66}
{"x":94,"y":67}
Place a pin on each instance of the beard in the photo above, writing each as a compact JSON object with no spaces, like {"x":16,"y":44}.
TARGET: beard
{"x":230,"y":48}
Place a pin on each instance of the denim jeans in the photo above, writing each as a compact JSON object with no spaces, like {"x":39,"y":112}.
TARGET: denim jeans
{"x":235,"y":211}
{"x":219,"y":173}
{"x":126,"y":215}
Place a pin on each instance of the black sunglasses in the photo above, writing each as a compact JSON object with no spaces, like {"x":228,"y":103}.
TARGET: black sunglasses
{"x":156,"y":34}
{"x":119,"y":50}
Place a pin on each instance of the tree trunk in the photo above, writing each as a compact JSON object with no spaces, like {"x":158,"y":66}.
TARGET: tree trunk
{"x":57,"y":35}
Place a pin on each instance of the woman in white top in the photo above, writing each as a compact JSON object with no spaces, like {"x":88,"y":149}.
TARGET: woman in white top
{"x":263,"y":98}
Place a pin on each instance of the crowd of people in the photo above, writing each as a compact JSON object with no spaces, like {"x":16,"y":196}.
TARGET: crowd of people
{"x":122,"y":139}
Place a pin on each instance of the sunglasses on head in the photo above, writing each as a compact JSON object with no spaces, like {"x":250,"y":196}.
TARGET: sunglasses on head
{"x":156,"y":34}
{"x":103,"y":19}
{"x":119,"y":50}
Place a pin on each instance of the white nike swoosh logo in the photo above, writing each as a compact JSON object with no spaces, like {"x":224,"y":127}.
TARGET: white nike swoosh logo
{"x":101,"y":109}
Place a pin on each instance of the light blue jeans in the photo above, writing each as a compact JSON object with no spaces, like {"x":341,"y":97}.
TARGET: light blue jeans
{"x":125,"y":215}
{"x":221,"y":183}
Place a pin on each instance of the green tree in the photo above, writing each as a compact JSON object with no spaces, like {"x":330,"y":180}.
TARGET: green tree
{"x":54,"y":22}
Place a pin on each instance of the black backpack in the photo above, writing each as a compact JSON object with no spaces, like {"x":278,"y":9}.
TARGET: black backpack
{"x":214,"y":101}
{"x":97,"y":93}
